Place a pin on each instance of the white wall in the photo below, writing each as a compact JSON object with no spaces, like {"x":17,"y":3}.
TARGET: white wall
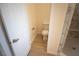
{"x":58,"y":13}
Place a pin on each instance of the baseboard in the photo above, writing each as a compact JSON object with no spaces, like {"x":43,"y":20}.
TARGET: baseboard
{"x":52,"y":53}
{"x":28,"y":50}
{"x":33,"y":38}
{"x":39,"y":33}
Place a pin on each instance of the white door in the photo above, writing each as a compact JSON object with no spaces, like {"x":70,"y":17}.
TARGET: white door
{"x":17,"y":26}
{"x":4,"y":48}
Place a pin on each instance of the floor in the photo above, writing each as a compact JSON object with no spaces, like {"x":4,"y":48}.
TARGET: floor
{"x":71,"y":47}
{"x":39,"y":47}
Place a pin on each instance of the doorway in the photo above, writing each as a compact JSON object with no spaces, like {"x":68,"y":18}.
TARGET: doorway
{"x":39,"y":21}
{"x":71,"y":47}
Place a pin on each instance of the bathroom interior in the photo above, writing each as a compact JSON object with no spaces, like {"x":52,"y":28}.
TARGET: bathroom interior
{"x":40,"y":39}
{"x":71,"y":46}
{"x":39,"y":15}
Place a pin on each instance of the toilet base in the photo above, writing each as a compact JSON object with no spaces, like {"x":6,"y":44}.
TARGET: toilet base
{"x":45,"y":38}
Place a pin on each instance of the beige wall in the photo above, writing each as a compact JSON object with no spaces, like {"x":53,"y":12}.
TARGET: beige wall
{"x":42,"y":15}
{"x":58,"y":13}
{"x":32,"y":20}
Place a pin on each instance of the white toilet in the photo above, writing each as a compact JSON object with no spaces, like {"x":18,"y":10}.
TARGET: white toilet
{"x":45,"y":32}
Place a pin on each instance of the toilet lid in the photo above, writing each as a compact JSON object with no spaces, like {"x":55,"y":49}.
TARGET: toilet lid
{"x":45,"y":32}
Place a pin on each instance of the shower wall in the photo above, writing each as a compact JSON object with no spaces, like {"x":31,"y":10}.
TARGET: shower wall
{"x":74,"y":27}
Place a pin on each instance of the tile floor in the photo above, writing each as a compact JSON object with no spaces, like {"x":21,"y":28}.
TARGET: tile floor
{"x":71,"y":47}
{"x":39,"y":47}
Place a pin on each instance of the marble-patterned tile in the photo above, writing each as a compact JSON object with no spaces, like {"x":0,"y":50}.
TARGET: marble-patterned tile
{"x":39,"y":47}
{"x":73,"y":34}
{"x":71,"y":47}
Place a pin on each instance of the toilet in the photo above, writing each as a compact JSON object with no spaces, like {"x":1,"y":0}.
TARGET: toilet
{"x":45,"y":32}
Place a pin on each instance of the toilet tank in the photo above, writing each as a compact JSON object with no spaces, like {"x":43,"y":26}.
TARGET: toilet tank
{"x":45,"y":26}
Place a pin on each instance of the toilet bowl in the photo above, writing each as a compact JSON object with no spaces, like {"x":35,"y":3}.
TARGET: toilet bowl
{"x":45,"y":34}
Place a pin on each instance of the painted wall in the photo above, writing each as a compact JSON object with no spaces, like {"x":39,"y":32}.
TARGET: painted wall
{"x":42,"y":15}
{"x":32,"y":20}
{"x":57,"y":18}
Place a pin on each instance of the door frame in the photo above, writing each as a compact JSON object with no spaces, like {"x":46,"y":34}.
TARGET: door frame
{"x":2,"y":52}
{"x":6,"y":35}
{"x":66,"y":26}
